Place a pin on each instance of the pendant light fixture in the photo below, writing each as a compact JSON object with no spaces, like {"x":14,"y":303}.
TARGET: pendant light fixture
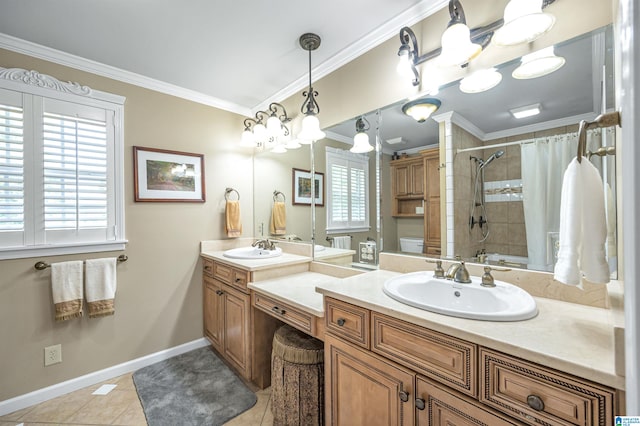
{"x":457,"y":48}
{"x":361,"y":139}
{"x":524,"y":21}
{"x":421,"y":109}
{"x":310,"y":124}
{"x":537,"y":64}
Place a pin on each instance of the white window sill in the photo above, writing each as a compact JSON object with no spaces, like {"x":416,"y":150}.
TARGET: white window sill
{"x":343,"y":230}
{"x":57,"y":250}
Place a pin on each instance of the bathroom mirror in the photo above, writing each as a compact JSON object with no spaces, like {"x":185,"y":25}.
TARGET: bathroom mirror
{"x":518,"y":155}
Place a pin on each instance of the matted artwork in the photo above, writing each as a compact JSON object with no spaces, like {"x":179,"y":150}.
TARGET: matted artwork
{"x":302,"y":187}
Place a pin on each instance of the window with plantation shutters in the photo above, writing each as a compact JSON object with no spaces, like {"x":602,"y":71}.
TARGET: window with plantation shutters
{"x":348,"y":191}
{"x":61,"y":186}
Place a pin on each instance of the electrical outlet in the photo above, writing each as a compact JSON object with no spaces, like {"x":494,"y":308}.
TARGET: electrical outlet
{"x":52,"y":355}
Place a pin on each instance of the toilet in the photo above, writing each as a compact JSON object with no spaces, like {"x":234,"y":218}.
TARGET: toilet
{"x":411,"y":245}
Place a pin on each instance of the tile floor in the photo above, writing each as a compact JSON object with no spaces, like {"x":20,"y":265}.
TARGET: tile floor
{"x":121,"y":407}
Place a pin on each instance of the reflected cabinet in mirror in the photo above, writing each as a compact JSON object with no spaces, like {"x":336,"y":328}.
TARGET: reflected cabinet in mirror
{"x":475,"y":181}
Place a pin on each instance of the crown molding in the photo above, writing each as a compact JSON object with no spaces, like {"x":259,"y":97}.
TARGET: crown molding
{"x":17,"y":45}
{"x":545,"y":125}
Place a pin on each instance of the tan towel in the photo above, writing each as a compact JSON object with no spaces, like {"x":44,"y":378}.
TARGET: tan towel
{"x":66,"y":286}
{"x":232,"y":216}
{"x":278,"y":224}
{"x":101,"y":286}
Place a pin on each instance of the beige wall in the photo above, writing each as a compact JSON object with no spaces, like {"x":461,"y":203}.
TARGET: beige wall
{"x":159,"y":297}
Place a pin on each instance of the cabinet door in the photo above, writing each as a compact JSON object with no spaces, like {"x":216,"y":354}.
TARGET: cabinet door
{"x":365,"y":389}
{"x":439,"y":406}
{"x":416,"y":175}
{"x":236,"y":344}
{"x":213,"y":309}
{"x":432,"y":202}
{"x":400,"y":176}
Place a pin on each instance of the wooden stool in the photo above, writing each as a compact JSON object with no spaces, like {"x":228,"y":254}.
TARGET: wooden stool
{"x":297,"y":378}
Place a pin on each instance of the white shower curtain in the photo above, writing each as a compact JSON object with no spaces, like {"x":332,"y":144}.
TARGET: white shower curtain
{"x":543,"y":164}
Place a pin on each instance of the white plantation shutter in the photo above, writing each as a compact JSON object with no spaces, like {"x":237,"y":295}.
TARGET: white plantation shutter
{"x":11,"y":168}
{"x":348,"y":186}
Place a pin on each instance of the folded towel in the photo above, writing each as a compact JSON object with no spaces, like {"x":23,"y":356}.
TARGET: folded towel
{"x":278,"y":225}
{"x":101,"y":286}
{"x":232,"y":216}
{"x":66,"y":286}
{"x":342,"y":242}
{"x":583,"y":227}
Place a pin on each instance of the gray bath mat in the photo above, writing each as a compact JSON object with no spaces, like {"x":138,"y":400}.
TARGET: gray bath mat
{"x":195,"y":388}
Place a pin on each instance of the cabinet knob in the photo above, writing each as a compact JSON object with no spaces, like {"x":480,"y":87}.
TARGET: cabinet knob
{"x":404,"y":396}
{"x":238,"y":280}
{"x":278,"y":310}
{"x":219,"y":292}
{"x":207,"y":268}
{"x":420,"y":404}
{"x":535,"y":402}
{"x":341,"y":321}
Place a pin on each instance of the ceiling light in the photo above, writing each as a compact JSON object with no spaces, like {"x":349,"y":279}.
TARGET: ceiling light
{"x":396,"y":141}
{"x":421,"y":109}
{"x":524,"y":22}
{"x":537,"y":64}
{"x":480,"y":81}
{"x":310,"y":124}
{"x":457,"y":48}
{"x":526,"y":111}
{"x":361,"y":139}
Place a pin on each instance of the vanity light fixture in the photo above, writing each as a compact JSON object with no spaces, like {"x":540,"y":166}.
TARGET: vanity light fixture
{"x":257,"y":134}
{"x":421,"y":109}
{"x":537,"y":64}
{"x":361,"y":139}
{"x":526,"y":111}
{"x":310,"y":124}
{"x":457,"y":47}
{"x":480,"y":81}
{"x":524,"y":21}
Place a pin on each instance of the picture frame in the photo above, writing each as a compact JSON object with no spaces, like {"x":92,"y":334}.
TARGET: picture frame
{"x":162,"y":175}
{"x":301,"y":187}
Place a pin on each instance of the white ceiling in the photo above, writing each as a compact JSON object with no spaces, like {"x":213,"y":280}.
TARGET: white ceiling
{"x":237,"y":55}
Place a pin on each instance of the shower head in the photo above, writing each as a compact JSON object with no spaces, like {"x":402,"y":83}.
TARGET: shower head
{"x":493,"y":156}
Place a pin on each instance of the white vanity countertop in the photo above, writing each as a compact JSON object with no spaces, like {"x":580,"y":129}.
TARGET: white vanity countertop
{"x":257,"y":264}
{"x":297,"y":290}
{"x":569,"y":337}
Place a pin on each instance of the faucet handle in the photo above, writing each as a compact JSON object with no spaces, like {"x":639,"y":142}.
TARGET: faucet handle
{"x":438,"y":272}
{"x":487,"y":278}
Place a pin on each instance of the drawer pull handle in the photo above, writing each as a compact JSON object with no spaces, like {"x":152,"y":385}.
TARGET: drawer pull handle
{"x":238,"y":280}
{"x":420,"y":404}
{"x":404,"y":396}
{"x":207,"y":268}
{"x":219,"y":292}
{"x":278,"y":310}
{"x":535,"y":402}
{"x":341,"y":321}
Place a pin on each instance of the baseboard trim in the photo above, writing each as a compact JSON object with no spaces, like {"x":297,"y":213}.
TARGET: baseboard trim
{"x":50,"y":392}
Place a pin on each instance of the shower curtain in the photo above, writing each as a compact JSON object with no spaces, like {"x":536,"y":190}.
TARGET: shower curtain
{"x":544,"y":161}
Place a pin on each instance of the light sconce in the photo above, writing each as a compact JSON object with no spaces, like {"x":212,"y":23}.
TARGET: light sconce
{"x":537,"y":64}
{"x":524,"y":21}
{"x":480,"y":81}
{"x":421,"y":109}
{"x":361,"y":139}
{"x":310,"y":124}
{"x":409,"y":56}
{"x":257,"y":134}
{"x":457,"y":47}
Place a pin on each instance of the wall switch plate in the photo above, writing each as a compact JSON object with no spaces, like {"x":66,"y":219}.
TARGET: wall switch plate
{"x":52,"y":355}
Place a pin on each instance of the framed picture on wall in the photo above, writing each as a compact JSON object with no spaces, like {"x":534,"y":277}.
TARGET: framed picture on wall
{"x":302,"y":187}
{"x":161,"y":175}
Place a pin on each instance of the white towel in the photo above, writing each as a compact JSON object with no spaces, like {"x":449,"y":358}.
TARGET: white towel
{"x":342,"y":242}
{"x":583,"y":227}
{"x":101,"y":286}
{"x":612,"y":248}
{"x":66,"y":286}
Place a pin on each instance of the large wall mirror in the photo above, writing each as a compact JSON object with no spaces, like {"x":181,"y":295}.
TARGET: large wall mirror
{"x":498,"y":177}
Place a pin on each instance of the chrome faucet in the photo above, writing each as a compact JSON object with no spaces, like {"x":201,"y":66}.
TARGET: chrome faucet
{"x":264,"y":244}
{"x":458,"y":273}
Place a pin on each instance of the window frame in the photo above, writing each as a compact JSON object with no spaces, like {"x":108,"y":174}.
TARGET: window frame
{"x":34,"y":85}
{"x":334,"y":155}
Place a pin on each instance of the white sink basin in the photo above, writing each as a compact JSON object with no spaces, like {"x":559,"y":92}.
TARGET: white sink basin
{"x":505,"y":302}
{"x":252,"y":253}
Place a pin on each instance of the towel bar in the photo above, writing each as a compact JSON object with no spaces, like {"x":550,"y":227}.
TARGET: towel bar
{"x":331,"y":238}
{"x":40,"y":266}
{"x":603,"y":120}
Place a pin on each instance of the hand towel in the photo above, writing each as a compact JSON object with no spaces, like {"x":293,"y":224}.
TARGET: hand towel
{"x":593,"y":261}
{"x":566,"y":269}
{"x":101,"y":286}
{"x":66,"y":286}
{"x":612,"y":247}
{"x":343,"y":242}
{"x":232,"y":216}
{"x":278,"y":225}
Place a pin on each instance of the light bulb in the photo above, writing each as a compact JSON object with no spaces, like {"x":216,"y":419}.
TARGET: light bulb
{"x":404,"y":67}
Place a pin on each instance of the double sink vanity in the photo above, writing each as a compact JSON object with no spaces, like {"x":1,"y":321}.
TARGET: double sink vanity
{"x":394,"y":361}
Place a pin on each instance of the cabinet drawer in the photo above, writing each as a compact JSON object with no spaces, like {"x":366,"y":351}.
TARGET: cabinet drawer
{"x":287,"y":313}
{"x":347,"y":321}
{"x":207,"y":267}
{"x":440,"y":357}
{"x":538,"y":395}
{"x":236,"y":278}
